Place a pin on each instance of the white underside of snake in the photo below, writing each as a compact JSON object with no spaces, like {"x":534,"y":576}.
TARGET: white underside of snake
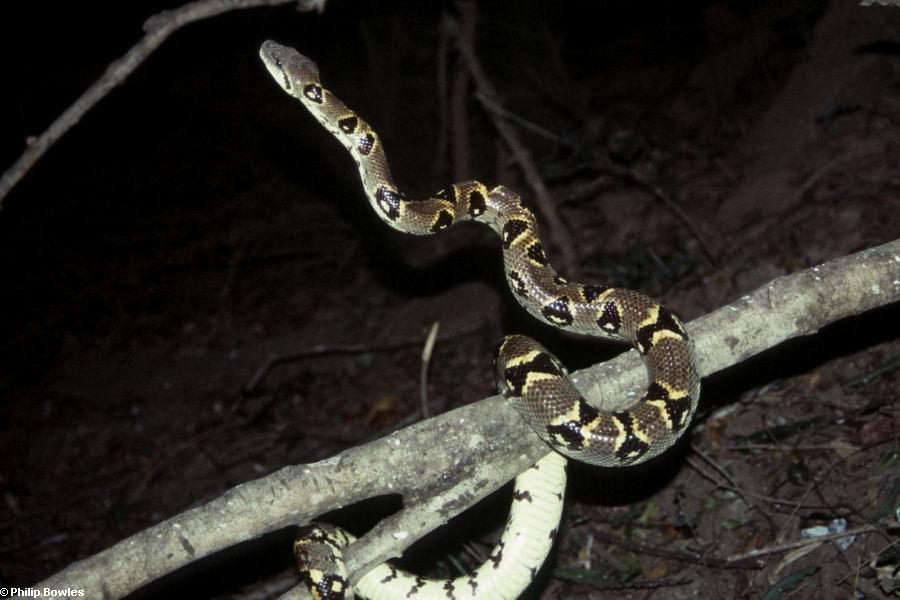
{"x":527,"y":374}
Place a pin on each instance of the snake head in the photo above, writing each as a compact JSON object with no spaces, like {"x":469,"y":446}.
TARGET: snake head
{"x":288,"y":67}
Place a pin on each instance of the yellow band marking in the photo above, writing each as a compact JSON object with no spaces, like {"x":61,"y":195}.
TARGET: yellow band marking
{"x":521,"y":359}
{"x":662,"y":334}
{"x":535,"y":377}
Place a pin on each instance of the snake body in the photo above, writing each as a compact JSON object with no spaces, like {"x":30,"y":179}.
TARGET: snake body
{"x":529,"y":376}
{"x":512,"y":564}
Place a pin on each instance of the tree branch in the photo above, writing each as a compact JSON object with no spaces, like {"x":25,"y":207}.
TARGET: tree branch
{"x":157,"y":29}
{"x":474,"y":449}
{"x":556,"y":230}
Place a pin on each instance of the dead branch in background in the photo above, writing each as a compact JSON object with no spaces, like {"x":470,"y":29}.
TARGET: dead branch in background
{"x":474,"y":449}
{"x":157,"y":29}
{"x":460,"y":143}
{"x":557,"y":232}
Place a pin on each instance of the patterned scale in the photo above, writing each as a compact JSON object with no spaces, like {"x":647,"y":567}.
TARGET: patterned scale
{"x":527,"y":374}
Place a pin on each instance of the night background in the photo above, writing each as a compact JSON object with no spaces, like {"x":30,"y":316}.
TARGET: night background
{"x":198,"y":221}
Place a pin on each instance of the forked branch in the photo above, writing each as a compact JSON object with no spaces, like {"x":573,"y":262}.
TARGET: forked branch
{"x":444,"y":465}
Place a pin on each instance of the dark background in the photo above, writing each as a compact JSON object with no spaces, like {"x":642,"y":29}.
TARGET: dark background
{"x":198,"y":220}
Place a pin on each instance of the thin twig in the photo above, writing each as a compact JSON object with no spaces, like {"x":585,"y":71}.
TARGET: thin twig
{"x":157,"y":29}
{"x":662,"y":196}
{"x":460,"y":140}
{"x":502,"y":111}
{"x":738,"y":489}
{"x":443,"y":106}
{"x":274,"y":359}
{"x":423,"y":371}
{"x":776,"y":548}
{"x":681,"y":556}
{"x":769,"y":447}
{"x":557,"y":232}
{"x":872,"y":558}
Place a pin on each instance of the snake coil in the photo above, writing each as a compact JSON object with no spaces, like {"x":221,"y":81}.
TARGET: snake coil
{"x":529,"y":376}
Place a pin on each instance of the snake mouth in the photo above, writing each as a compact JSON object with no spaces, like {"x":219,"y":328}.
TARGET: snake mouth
{"x":287,"y":66}
{"x":271,"y":51}
{"x":273,"y":57}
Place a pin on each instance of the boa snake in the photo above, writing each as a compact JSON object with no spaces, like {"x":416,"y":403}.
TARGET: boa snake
{"x":527,"y":374}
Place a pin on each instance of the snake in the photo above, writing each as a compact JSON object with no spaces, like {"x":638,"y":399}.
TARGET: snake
{"x":530,"y":377}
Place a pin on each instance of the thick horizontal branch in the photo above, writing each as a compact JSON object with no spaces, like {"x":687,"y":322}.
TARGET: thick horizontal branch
{"x":456,"y":458}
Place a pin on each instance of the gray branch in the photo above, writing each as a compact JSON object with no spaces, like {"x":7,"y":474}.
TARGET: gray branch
{"x":472,"y":450}
{"x":157,"y":29}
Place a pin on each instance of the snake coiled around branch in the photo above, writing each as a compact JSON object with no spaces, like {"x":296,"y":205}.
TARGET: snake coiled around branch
{"x":529,"y":376}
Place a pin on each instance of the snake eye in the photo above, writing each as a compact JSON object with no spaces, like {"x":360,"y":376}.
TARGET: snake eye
{"x":313,"y":93}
